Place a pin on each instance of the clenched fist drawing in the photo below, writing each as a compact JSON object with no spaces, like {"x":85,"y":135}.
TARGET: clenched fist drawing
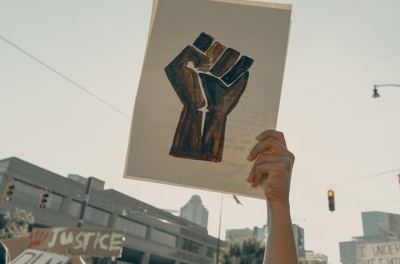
{"x":209,"y":79}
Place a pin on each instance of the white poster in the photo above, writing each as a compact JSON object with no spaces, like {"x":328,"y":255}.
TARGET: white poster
{"x":378,"y":253}
{"x":211,"y":81}
{"x":32,"y":256}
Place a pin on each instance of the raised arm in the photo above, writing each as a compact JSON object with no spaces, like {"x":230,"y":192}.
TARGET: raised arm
{"x":272,"y":170}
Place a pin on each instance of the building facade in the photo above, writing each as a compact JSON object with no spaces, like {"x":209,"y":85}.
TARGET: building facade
{"x":299,"y":239}
{"x":238,"y":235}
{"x":152,"y":236}
{"x":381,"y":223}
{"x":260,"y":233}
{"x":195,"y":211}
{"x":378,"y":227}
{"x":311,"y":257}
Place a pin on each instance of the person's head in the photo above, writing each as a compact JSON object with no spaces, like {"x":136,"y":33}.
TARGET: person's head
{"x":4,"y":254}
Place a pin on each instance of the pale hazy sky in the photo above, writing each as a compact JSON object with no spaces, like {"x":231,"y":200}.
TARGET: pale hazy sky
{"x":337,"y":51}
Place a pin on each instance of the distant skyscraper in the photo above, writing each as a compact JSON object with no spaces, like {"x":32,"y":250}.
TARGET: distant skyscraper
{"x":378,"y":227}
{"x":195,"y":211}
{"x":382,"y":223}
{"x":299,"y":239}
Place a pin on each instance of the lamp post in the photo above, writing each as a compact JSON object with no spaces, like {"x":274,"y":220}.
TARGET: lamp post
{"x":376,"y":94}
{"x":219,"y":230}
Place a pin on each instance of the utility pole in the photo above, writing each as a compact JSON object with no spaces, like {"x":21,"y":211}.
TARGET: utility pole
{"x":219,"y":229}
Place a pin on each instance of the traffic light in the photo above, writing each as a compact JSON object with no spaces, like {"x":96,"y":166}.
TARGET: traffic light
{"x":9,"y":192}
{"x":331,"y":200}
{"x":43,"y":199}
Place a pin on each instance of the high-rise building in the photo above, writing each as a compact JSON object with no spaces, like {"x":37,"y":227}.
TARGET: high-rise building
{"x":378,"y":227}
{"x":152,"y":236}
{"x":195,"y":211}
{"x":299,"y":239}
{"x":380,"y":223}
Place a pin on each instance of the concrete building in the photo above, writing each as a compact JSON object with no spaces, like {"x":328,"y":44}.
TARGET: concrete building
{"x":153,"y":236}
{"x":313,"y":258}
{"x":378,"y":227}
{"x":195,"y":211}
{"x":260,"y":233}
{"x":238,"y":235}
{"x":380,"y":223}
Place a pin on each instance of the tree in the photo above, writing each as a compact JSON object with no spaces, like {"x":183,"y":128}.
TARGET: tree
{"x":250,"y":251}
{"x":16,"y":224}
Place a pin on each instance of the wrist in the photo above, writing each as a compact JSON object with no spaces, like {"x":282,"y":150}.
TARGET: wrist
{"x":278,"y":207}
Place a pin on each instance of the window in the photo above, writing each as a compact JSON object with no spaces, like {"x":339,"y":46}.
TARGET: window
{"x":27,"y":191}
{"x":33,"y":194}
{"x":54,"y":201}
{"x":75,"y":208}
{"x":131,"y":227}
{"x":191,"y":246}
{"x":4,"y":166}
{"x":211,"y":252}
{"x":163,"y":238}
{"x":97,"y":216}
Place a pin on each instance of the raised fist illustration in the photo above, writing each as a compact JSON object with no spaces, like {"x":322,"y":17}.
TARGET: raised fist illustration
{"x":209,"y":79}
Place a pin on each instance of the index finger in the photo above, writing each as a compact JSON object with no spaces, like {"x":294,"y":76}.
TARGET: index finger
{"x":273,"y":134}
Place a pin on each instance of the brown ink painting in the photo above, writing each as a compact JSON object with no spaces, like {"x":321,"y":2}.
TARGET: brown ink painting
{"x":209,"y":80}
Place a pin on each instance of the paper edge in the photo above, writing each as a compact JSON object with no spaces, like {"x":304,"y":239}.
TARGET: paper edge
{"x":153,"y":15}
{"x":256,"y":3}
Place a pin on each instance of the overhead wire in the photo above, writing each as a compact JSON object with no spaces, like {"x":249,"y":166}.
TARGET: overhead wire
{"x":349,"y":180}
{"x":65,"y":77}
{"x":366,"y":177}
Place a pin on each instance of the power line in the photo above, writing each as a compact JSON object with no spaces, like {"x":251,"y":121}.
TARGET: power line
{"x":349,"y":180}
{"x":65,"y":77}
{"x":366,"y":177}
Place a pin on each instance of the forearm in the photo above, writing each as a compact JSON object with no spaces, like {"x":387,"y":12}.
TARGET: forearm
{"x":281,"y":247}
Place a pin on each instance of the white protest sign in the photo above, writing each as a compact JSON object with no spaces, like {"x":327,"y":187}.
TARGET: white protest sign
{"x":33,"y":256}
{"x":379,"y":253}
{"x":211,"y":81}
{"x":78,"y":241}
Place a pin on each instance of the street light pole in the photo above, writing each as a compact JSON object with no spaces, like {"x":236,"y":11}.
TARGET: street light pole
{"x":376,"y":94}
{"x":219,"y":229}
{"x":398,"y":177}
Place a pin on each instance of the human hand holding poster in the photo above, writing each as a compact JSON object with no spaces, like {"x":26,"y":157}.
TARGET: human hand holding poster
{"x":211,"y":81}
